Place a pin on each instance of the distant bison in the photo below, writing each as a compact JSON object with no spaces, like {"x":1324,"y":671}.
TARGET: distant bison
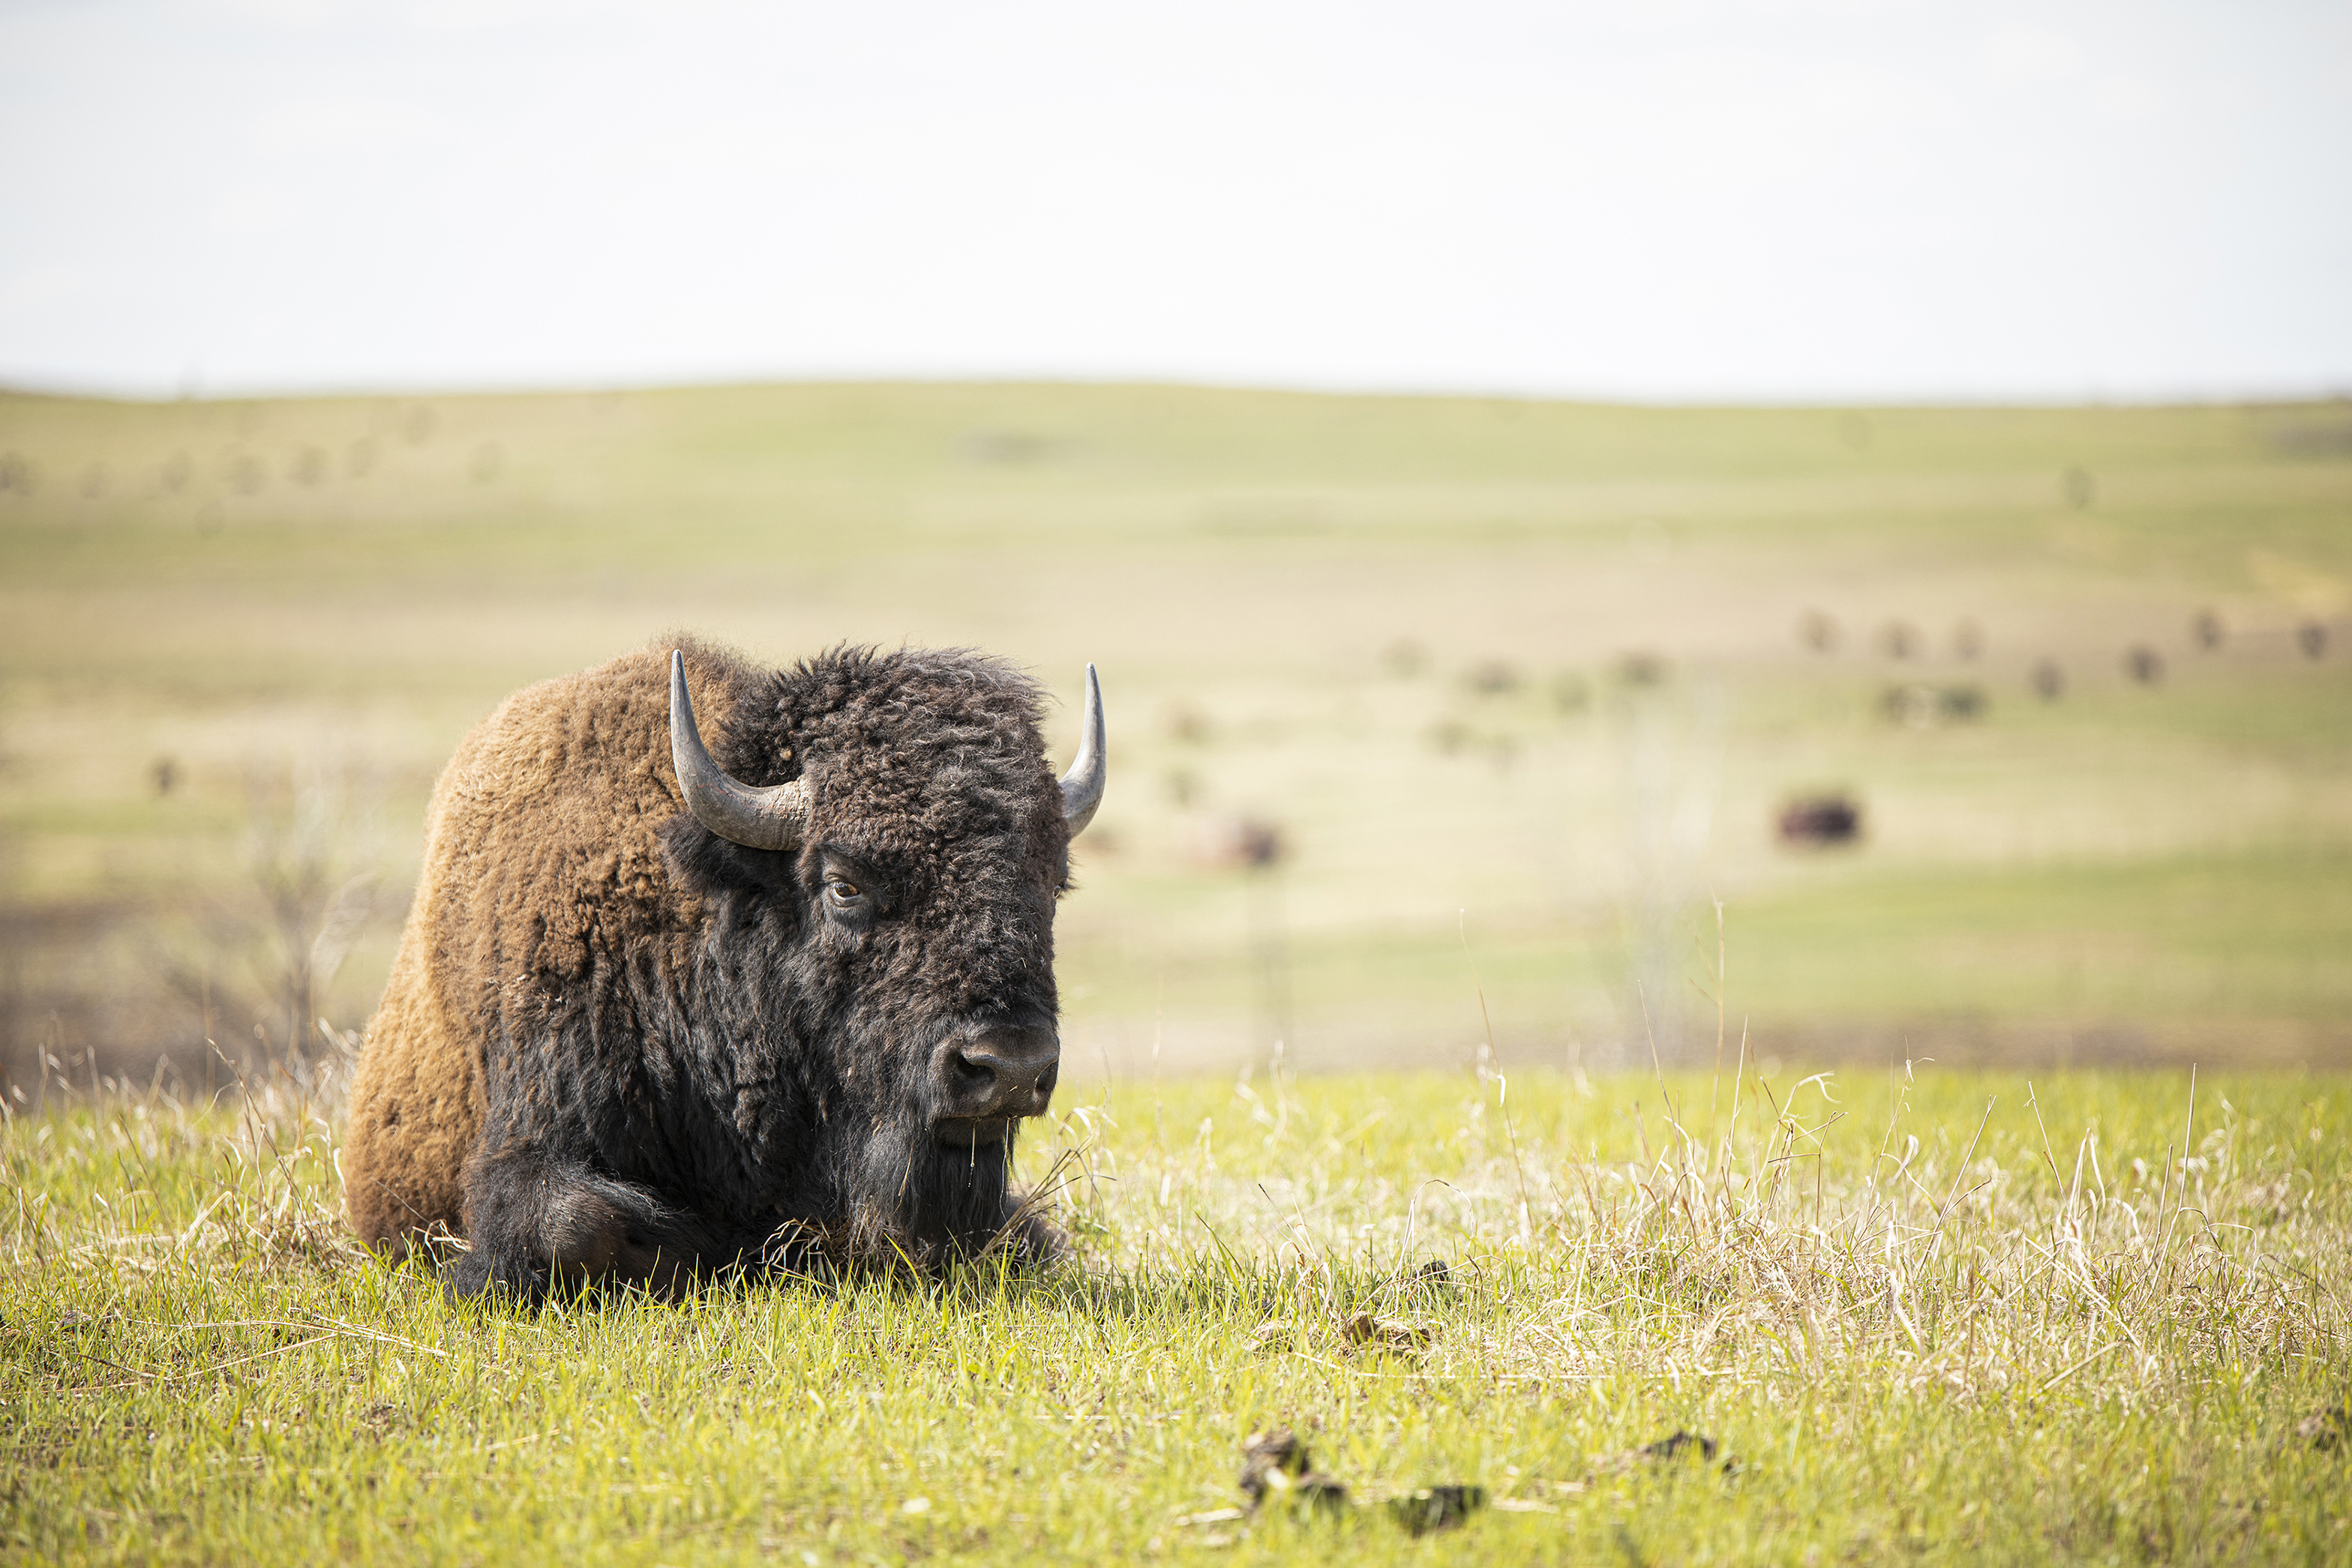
{"x":657,"y":1016}
{"x":1819,"y":821}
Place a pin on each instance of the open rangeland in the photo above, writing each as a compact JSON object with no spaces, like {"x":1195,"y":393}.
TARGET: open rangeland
{"x":1913,"y":1315}
{"x":1524,"y":685}
{"x":1450,"y":739}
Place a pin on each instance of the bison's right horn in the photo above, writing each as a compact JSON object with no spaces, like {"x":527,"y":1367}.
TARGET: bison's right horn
{"x":775,"y":818}
{"x":1082,"y":786}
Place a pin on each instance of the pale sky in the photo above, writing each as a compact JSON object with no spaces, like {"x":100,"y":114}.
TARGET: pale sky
{"x":1668,"y":199}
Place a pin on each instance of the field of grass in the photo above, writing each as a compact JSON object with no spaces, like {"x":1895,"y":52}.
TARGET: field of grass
{"x":1520,"y":684}
{"x":1521,"y":688}
{"x":1926,"y":1315}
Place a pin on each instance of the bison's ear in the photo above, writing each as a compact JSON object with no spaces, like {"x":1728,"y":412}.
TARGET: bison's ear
{"x":775,"y":818}
{"x":1082,"y":786}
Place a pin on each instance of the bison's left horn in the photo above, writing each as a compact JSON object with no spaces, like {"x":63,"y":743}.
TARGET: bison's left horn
{"x":1082,"y":786}
{"x":775,"y":818}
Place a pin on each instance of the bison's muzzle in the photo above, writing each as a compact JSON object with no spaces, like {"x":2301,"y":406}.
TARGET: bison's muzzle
{"x":984,"y":1081}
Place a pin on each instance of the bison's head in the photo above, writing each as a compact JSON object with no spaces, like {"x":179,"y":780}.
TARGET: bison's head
{"x":897,"y":841}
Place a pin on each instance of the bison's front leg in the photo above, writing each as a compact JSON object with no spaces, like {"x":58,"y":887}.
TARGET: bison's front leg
{"x":536,"y":1222}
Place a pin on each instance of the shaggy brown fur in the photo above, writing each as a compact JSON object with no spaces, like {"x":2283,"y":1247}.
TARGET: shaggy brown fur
{"x":541,"y":826}
{"x":613,"y":1045}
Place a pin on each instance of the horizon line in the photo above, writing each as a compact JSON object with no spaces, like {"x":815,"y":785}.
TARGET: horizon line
{"x":2225,"y":395}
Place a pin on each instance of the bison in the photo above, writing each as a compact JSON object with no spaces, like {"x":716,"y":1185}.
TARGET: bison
{"x":663,"y":1012}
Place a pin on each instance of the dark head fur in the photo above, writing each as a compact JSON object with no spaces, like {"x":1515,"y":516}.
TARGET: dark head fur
{"x":928,"y":781}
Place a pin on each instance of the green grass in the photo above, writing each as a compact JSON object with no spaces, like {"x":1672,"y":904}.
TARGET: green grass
{"x":2245,"y":936}
{"x":1948,"y":1317}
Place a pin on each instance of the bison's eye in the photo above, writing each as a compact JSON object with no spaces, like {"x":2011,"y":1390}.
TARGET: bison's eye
{"x":850,"y":892}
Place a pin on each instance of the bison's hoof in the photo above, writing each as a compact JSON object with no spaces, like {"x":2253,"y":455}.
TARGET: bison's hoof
{"x":472,"y":1278}
{"x":467,"y":1278}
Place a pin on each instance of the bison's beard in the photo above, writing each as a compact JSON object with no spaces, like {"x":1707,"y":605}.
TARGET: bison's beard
{"x":929,"y":1200}
{"x":913,"y":1203}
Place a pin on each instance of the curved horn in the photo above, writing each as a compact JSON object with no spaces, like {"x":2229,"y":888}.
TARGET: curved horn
{"x":1082,"y":786}
{"x":770,"y":819}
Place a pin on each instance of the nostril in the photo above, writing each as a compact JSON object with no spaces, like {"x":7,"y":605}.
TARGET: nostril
{"x":991,"y":1074}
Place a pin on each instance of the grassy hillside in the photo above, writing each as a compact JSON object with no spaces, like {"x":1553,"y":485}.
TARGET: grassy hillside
{"x":1520,"y":685}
